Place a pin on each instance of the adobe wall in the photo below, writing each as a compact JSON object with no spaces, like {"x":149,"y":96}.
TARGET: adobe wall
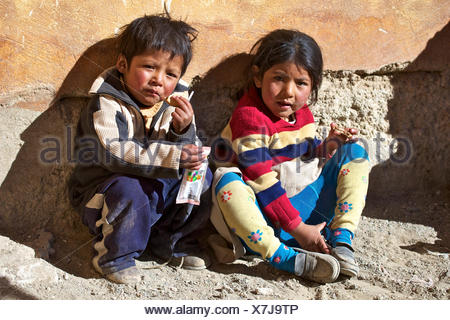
{"x":40,"y":41}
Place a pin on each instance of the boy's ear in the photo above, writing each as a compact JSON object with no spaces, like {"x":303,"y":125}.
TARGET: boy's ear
{"x":122,"y":64}
{"x":256,"y":78}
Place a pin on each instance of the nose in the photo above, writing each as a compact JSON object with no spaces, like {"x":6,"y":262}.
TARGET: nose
{"x":157,"y":78}
{"x":289,"y":89}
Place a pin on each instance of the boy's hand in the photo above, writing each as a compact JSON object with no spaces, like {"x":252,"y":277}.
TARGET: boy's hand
{"x":183,"y":114}
{"x":192,"y":157}
{"x":309,"y":237}
{"x":337,"y":137}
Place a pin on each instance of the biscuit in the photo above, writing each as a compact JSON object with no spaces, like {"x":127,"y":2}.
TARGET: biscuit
{"x":344,"y":132}
{"x":172,"y":102}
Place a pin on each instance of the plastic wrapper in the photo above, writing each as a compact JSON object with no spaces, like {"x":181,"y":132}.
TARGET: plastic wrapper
{"x":192,"y":183}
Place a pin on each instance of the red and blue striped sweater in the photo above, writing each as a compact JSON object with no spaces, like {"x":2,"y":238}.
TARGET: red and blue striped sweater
{"x":260,"y":140}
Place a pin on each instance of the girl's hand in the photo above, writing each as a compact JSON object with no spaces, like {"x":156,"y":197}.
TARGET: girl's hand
{"x":183,"y":114}
{"x":337,"y":137}
{"x":192,"y":157}
{"x":344,"y":135}
{"x":309,"y":237}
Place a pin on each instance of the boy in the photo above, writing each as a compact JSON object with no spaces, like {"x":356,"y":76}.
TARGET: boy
{"x":131,"y":146}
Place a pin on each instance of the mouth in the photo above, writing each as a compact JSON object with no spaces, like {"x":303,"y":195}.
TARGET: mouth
{"x":284,"y":105}
{"x":151,"y":93}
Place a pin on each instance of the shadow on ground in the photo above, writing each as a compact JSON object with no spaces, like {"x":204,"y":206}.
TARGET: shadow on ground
{"x":10,"y":292}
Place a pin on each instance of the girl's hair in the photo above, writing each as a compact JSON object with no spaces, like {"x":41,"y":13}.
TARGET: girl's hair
{"x":157,"y":32}
{"x":283,"y":45}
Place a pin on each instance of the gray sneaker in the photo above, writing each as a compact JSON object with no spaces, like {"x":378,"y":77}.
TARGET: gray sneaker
{"x":317,"y":267}
{"x":192,"y":262}
{"x":346,"y":257}
{"x":129,"y":275}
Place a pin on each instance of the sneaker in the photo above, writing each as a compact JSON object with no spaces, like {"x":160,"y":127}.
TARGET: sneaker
{"x":129,"y":275}
{"x":346,"y":257}
{"x":192,"y":262}
{"x":317,"y":267}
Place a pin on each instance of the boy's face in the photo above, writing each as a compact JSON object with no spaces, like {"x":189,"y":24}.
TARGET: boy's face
{"x":151,"y":76}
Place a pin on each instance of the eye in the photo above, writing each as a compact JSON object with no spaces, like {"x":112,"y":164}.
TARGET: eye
{"x":149,"y":66}
{"x":302,"y":83}
{"x":278,"y":78}
{"x":172,"y":75}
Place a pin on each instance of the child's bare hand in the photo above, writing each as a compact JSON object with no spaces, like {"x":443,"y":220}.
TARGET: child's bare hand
{"x":192,"y":157}
{"x":338,"y":136}
{"x":183,"y":114}
{"x":309,"y":237}
{"x":343,"y":134}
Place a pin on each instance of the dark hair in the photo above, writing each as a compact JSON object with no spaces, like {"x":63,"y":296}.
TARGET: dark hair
{"x":283,"y":45}
{"x":157,"y":32}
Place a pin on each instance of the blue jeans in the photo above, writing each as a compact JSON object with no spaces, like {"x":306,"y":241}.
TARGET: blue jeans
{"x":137,"y":212}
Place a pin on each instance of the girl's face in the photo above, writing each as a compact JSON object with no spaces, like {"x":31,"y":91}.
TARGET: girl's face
{"x":285,"y":88}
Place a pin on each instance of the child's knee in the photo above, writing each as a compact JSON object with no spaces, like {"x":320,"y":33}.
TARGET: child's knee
{"x":226,"y":179}
{"x":125,"y":188}
{"x":351,"y":152}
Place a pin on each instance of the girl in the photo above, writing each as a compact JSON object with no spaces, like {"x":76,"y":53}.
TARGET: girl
{"x":297,"y":191}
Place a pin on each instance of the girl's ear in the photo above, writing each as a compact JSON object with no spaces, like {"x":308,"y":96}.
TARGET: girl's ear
{"x":122,"y":64}
{"x":256,"y":78}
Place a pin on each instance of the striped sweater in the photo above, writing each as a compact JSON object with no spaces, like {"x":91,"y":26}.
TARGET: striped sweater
{"x":118,"y":135}
{"x":260,"y":141}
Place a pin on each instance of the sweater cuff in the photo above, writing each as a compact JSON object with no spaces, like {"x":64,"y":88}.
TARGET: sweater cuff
{"x":284,"y":214}
{"x":291,"y":225}
{"x":186,"y":137}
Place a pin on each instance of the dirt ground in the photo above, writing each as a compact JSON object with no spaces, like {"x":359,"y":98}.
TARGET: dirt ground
{"x":398,"y":260}
{"x":402,"y":243}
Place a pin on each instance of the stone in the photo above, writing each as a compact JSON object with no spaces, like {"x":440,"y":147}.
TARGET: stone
{"x":263,"y":291}
{"x":44,"y":245}
{"x":19,"y":266}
